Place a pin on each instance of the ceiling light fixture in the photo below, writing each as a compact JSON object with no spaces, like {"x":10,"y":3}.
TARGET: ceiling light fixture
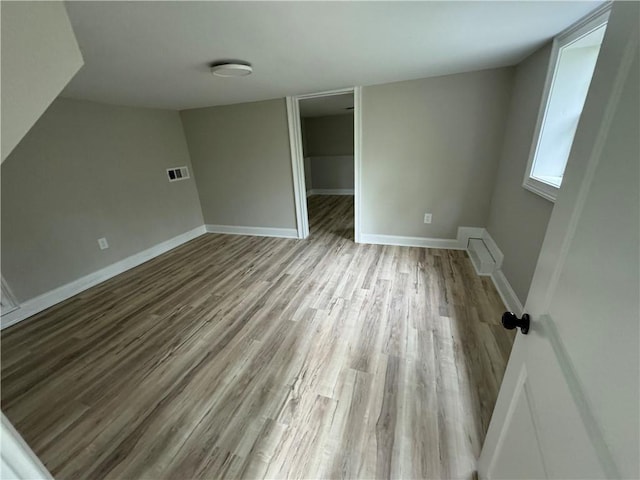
{"x":231,"y":69}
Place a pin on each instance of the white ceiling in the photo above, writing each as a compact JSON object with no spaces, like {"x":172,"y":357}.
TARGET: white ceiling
{"x":329,"y":105}
{"x":156,"y":54}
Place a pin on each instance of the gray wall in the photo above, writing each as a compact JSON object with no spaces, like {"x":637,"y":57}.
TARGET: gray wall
{"x":328,"y":147}
{"x":330,"y":135}
{"x":242,"y":161}
{"x":518,"y":218}
{"x":307,"y":173}
{"x":432,"y":145}
{"x":39,"y":56}
{"x":335,"y":172}
{"x":85,"y":171}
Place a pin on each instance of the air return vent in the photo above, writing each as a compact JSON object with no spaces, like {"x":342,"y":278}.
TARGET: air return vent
{"x":481,"y":257}
{"x":177,"y":173}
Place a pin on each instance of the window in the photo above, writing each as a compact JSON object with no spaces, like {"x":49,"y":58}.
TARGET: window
{"x":571,"y":67}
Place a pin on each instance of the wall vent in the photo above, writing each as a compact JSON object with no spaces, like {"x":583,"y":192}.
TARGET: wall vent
{"x":177,"y":173}
{"x":480,"y":256}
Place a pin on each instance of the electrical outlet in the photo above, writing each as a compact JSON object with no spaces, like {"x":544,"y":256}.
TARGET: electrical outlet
{"x":103,"y":243}
{"x":427,"y":218}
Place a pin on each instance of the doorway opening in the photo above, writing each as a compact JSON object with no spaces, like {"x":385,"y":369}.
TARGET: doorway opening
{"x":324,"y":133}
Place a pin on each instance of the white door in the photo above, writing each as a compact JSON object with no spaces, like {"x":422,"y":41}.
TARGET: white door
{"x":17,"y":461}
{"x":569,"y":403}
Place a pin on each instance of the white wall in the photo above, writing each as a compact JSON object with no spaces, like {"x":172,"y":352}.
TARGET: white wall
{"x":39,"y":57}
{"x":84,"y":171}
{"x":432,"y":145}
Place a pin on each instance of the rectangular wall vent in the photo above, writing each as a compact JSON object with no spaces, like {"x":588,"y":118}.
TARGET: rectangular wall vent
{"x":480,"y":256}
{"x":177,"y":173}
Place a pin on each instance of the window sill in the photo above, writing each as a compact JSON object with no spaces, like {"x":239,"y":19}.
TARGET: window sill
{"x":552,"y":181}
{"x":545,"y":190}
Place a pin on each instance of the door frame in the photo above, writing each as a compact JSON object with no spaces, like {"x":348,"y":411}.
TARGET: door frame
{"x":297,"y":156}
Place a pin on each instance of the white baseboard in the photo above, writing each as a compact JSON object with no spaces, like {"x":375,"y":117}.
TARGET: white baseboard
{"x":330,"y":191}
{"x":53,"y":297}
{"x":481,"y":259}
{"x":507,"y":294}
{"x":495,"y":251}
{"x":451,"y":244}
{"x":465,"y":233}
{"x":459,"y":243}
{"x":253,"y":231}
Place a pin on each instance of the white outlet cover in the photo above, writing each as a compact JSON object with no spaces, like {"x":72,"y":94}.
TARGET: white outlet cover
{"x":427,"y":218}
{"x":103,"y":243}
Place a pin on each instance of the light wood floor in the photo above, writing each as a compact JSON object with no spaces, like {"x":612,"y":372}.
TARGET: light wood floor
{"x":256,"y":357}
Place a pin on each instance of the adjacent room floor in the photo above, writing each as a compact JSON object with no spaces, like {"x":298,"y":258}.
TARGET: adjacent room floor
{"x":254,"y":357}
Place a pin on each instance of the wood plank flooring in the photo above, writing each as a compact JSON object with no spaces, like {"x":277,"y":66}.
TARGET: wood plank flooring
{"x":250,"y":357}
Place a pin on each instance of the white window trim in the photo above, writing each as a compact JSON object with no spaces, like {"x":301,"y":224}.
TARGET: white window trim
{"x":583,"y":27}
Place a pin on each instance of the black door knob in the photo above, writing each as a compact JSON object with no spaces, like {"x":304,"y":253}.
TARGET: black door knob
{"x":511,"y":321}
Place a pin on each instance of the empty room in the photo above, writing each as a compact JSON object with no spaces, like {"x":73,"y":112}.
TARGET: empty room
{"x":294,"y":240}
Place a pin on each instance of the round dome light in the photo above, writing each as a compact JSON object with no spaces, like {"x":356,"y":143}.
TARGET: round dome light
{"x":231,"y":70}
